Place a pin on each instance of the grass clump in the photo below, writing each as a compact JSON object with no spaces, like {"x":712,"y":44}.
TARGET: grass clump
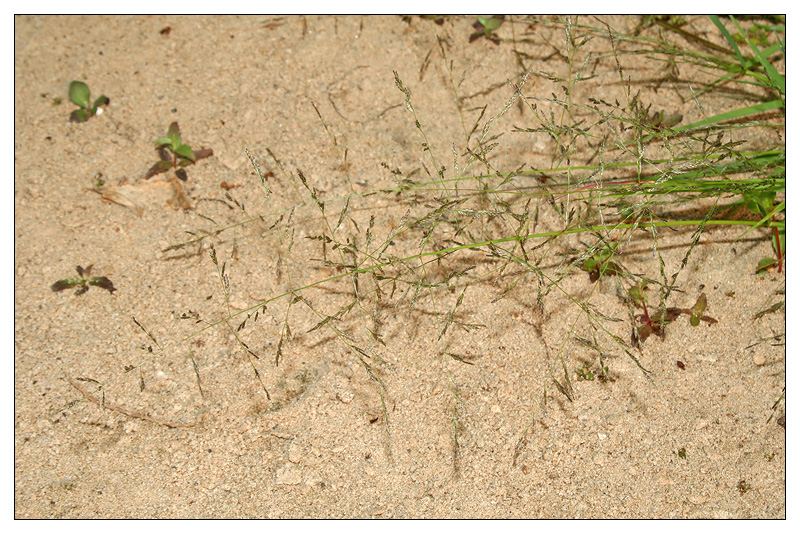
{"x":618,"y":173}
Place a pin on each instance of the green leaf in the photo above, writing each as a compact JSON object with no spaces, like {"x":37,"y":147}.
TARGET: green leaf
{"x":735,"y":114}
{"x":79,"y":94}
{"x":729,"y":38}
{"x":778,"y":81}
{"x":759,"y":202}
{"x":101,"y":101}
{"x":185,"y":151}
{"x":491,"y":24}
{"x":638,"y":295}
{"x":781,"y":225}
{"x":66,"y":284}
{"x":765,"y":264}
{"x":698,"y":309}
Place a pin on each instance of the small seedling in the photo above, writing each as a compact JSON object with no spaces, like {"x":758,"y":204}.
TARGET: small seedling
{"x":659,"y":120}
{"x":656,"y":323}
{"x":600,"y":264}
{"x":743,"y":487}
{"x":83,"y":281}
{"x":175,"y":154}
{"x":486,"y":28}
{"x":584,"y":373}
{"x":79,"y":94}
{"x":682,"y":453}
{"x":761,"y":204}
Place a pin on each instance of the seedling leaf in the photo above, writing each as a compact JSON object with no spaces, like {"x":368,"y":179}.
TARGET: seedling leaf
{"x":67,"y":283}
{"x":79,"y":94}
{"x":83,"y":281}
{"x":766,"y":264}
{"x":185,"y":152}
{"x":698,"y":309}
{"x":102,"y":281}
{"x":79,"y":115}
{"x":101,"y":101}
{"x":174,"y":132}
{"x":759,"y":202}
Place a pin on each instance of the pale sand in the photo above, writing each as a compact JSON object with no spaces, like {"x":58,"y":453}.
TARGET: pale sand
{"x":319,"y":447}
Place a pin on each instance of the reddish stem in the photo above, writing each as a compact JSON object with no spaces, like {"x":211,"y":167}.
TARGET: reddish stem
{"x":646,"y":315}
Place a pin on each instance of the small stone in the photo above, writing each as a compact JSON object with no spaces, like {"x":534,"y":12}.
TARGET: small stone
{"x":289,"y":476}
{"x":759,"y":358}
{"x":295,"y":453}
{"x":700,"y":424}
{"x":345,"y":396}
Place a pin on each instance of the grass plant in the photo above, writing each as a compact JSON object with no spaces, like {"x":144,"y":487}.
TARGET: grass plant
{"x":619,"y":169}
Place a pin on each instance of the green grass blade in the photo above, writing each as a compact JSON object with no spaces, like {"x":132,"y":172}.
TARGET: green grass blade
{"x":735,"y":114}
{"x":729,"y":38}
{"x":778,"y":81}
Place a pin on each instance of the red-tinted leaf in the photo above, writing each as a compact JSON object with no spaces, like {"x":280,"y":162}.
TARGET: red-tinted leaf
{"x":79,"y":115}
{"x":203,"y":153}
{"x":158,"y":168}
{"x":673,"y":313}
{"x":102,"y":281}
{"x":174,"y":130}
{"x":644,"y":332}
{"x":61,"y":285}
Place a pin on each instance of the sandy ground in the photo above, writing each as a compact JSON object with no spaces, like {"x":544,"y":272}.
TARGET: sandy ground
{"x":491,"y":439}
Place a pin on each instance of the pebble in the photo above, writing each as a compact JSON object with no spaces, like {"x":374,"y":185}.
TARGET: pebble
{"x":295,"y":453}
{"x":289,"y":476}
{"x":759,"y":358}
{"x":700,"y":424}
{"x":345,"y":396}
